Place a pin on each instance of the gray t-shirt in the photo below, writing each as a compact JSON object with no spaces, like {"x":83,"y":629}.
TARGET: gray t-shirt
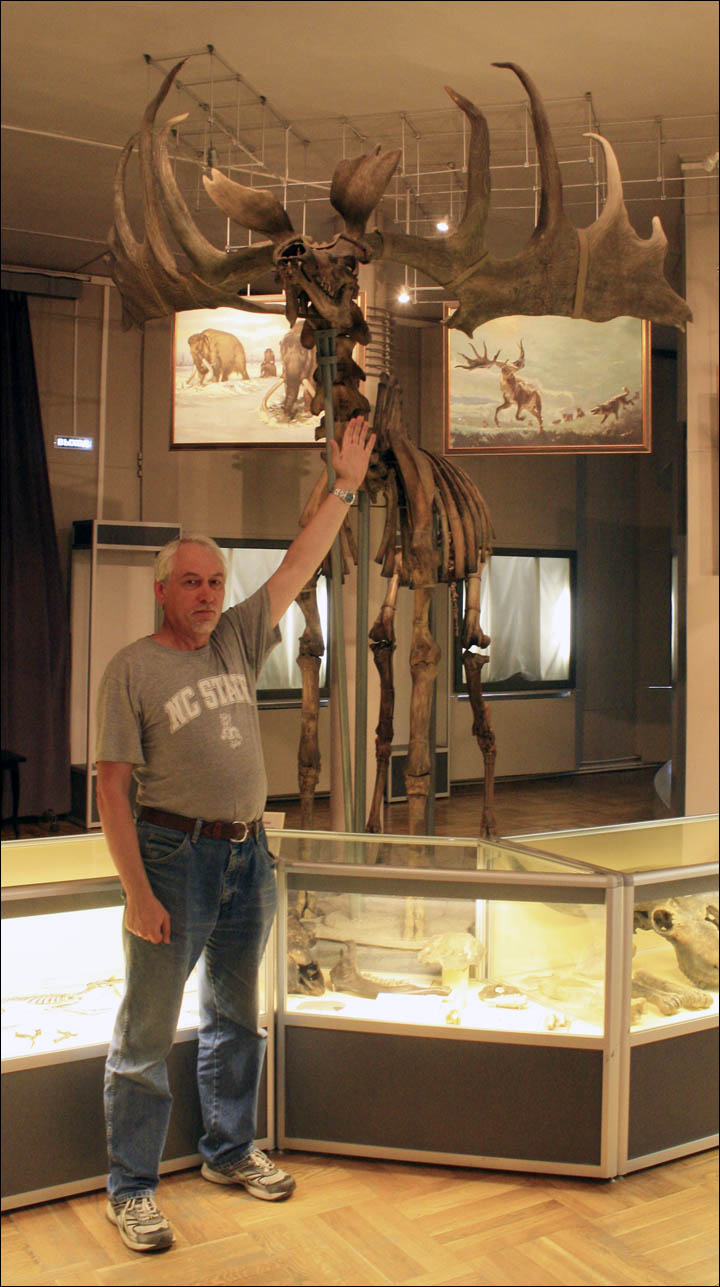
{"x":188,"y":721}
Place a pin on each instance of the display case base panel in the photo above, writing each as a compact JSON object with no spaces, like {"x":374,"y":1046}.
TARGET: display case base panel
{"x":673,"y":1093}
{"x":53,"y":1130}
{"x":438,"y":1096}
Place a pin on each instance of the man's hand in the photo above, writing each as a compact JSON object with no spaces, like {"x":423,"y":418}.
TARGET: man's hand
{"x":146,"y":918}
{"x":350,"y":461}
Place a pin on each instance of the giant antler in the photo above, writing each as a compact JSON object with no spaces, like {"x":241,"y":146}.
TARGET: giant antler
{"x":598,"y":273}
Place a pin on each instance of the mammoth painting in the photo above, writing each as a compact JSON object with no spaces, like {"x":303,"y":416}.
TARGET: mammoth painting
{"x":241,"y":380}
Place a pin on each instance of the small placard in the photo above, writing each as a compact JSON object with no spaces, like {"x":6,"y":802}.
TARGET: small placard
{"x":73,"y":444}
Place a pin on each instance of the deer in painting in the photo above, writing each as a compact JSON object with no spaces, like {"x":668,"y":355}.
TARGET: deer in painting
{"x":525,"y":396}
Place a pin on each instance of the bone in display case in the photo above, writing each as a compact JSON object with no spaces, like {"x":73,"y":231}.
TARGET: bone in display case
{"x":469,"y":1002}
{"x":62,"y":978}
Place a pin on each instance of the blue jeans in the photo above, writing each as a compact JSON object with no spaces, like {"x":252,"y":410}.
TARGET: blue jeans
{"x":221,"y":896}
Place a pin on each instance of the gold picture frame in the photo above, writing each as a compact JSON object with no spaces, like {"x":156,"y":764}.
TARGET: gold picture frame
{"x":548,"y":385}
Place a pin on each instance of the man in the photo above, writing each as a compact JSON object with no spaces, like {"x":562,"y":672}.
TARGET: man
{"x":177,"y":711}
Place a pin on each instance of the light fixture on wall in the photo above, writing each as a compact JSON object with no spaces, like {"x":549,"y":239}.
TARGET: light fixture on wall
{"x":403,"y":295}
{"x":443,"y":224}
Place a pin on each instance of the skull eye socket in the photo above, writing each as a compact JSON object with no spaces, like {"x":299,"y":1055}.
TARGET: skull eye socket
{"x":294,"y":250}
{"x":662,"y":920}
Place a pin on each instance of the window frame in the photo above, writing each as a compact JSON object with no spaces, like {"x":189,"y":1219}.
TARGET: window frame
{"x":529,"y":688}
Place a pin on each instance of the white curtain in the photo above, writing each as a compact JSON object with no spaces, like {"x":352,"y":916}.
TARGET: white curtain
{"x":525,"y":607}
{"x":248,"y":569}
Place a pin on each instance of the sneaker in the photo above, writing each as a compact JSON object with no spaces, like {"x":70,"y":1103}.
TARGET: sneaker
{"x":142,"y":1227}
{"x":256,"y":1173}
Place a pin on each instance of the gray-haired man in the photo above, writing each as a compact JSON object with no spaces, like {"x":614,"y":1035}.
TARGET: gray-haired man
{"x":177,"y":711}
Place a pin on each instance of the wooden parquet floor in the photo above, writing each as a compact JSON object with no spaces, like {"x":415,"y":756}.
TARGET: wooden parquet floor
{"x":361,"y":1221}
{"x":358,"y":1221}
{"x":525,"y":805}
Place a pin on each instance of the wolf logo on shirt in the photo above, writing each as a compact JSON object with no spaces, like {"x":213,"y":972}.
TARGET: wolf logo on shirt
{"x":230,"y":733}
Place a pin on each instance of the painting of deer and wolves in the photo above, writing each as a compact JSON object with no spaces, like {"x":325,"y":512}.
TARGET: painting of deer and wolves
{"x":546,"y":384}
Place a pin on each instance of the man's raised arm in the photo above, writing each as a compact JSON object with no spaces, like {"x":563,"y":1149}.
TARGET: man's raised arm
{"x":350,"y":462}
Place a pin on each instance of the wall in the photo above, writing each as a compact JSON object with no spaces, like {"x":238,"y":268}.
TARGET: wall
{"x":613,"y":510}
{"x":701,"y":766}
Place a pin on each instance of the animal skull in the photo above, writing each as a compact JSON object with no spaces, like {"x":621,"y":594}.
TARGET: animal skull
{"x":690,"y":923}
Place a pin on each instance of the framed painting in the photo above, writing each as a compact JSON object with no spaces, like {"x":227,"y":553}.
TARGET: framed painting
{"x":548,"y":384}
{"x":241,"y":379}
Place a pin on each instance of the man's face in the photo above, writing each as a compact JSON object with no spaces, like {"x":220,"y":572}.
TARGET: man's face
{"x":193,"y":596}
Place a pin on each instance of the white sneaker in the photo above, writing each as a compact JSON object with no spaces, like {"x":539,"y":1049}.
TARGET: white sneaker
{"x":256,"y":1173}
{"x":142,"y":1227}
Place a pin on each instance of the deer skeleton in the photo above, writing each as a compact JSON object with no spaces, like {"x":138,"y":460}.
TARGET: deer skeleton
{"x":437,"y":526}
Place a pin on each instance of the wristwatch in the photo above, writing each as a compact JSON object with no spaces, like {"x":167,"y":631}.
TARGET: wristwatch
{"x":348,"y":497}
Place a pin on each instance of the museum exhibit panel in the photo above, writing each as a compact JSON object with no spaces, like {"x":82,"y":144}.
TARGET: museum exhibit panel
{"x":411,"y":1020}
{"x":62,"y":976}
{"x":669,"y":1048}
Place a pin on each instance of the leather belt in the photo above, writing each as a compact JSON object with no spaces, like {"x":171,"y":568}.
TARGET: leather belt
{"x":212,"y":830}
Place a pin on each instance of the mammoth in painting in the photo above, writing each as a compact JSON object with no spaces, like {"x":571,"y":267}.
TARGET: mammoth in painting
{"x":298,"y":363}
{"x":219,"y":352}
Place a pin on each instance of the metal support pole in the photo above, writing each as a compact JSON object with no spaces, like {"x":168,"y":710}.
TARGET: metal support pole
{"x":430,"y":817}
{"x":361,"y":661}
{"x":325,"y":338}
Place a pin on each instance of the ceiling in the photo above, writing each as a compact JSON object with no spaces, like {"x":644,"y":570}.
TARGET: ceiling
{"x":291,"y":88}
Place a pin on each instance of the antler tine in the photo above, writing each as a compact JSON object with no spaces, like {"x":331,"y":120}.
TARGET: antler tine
{"x":158,"y":179}
{"x":254,"y":208}
{"x":640,"y":289}
{"x":358,"y":185}
{"x":551,"y":211}
{"x":477,"y":198}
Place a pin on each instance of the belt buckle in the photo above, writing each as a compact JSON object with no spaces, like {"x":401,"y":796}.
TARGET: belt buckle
{"x":237,"y":822}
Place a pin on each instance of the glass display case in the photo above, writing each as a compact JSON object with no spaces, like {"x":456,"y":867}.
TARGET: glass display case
{"x":668,"y":1050}
{"x":62,"y":976}
{"x":447,"y":1000}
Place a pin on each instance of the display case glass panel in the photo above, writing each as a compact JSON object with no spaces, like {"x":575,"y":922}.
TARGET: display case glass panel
{"x":62,"y":956}
{"x":635,"y":848}
{"x":675,"y":955}
{"x":670,"y":870}
{"x":454,"y":933}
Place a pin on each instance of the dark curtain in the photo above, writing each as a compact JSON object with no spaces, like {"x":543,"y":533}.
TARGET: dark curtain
{"x":35,"y":633}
